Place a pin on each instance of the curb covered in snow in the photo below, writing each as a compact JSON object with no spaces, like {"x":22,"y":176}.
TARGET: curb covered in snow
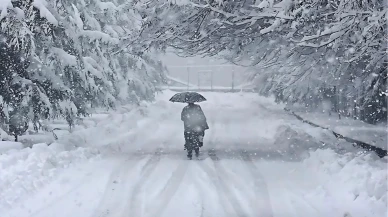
{"x":379,"y":151}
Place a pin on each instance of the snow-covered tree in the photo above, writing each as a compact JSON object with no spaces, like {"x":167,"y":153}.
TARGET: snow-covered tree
{"x":300,"y":49}
{"x":59,"y":59}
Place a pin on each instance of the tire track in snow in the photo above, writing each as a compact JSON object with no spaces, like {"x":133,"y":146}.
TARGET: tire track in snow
{"x":261,"y":188}
{"x":262,"y":203}
{"x":112,"y":198}
{"x":214,"y":128}
{"x":146,"y":171}
{"x":202,"y":209}
{"x":230,"y":196}
{"x":219,"y":190}
{"x":202,"y":195}
{"x":170,"y":189}
{"x":206,"y":169}
{"x":213,"y":131}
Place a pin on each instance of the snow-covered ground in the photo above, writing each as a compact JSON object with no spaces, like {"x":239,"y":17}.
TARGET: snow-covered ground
{"x":376,"y":135}
{"x":9,"y":145}
{"x":257,"y":161}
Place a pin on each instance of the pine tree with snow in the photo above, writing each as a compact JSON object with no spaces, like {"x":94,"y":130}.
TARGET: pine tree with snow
{"x":67,"y":60}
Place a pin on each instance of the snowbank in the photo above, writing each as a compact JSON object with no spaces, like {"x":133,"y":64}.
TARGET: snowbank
{"x":24,"y":171}
{"x":7,"y":145}
{"x":293,"y":142}
{"x":376,"y":135}
{"x":116,"y":127}
{"x":354,"y":182}
{"x":297,"y":141}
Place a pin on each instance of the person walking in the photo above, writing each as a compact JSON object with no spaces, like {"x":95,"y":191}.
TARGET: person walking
{"x":195,"y":125}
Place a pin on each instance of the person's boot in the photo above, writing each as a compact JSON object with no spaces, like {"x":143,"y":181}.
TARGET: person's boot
{"x":190,"y":154}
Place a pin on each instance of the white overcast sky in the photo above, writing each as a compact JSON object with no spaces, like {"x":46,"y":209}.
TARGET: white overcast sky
{"x":222,"y":71}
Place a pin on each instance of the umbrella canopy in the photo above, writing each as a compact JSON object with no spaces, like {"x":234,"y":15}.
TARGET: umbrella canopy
{"x":188,"y":97}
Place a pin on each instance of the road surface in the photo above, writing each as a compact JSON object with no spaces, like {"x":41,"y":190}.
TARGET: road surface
{"x":242,"y":171}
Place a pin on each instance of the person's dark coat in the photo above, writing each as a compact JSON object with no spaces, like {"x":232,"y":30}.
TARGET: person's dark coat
{"x":194,"y":119}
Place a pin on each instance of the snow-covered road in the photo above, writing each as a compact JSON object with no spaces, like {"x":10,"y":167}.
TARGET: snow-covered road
{"x":256,"y":161}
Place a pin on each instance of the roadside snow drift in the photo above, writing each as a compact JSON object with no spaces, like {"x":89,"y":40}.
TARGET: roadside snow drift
{"x":356,"y":185}
{"x":8,"y":145}
{"x":25,"y":171}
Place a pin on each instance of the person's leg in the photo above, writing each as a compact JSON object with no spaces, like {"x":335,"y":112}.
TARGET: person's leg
{"x":196,"y":142}
{"x":202,"y":135}
{"x":189,"y":144}
{"x":187,"y":139}
{"x":197,"y":151}
{"x":190,"y":153}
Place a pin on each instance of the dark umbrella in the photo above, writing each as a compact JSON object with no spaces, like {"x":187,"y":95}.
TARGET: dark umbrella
{"x":188,"y":97}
